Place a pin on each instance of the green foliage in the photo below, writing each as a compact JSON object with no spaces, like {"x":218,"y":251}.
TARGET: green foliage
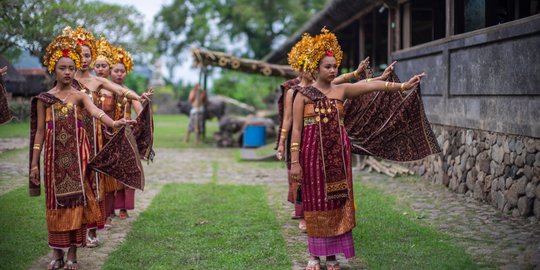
{"x":23,"y":229}
{"x":204,"y":227}
{"x":136,"y":82}
{"x":32,"y":24}
{"x":213,"y":23}
{"x":247,"y":88}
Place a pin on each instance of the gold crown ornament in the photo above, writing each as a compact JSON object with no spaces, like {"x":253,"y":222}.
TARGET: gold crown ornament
{"x":105,"y":51}
{"x":123,"y":57}
{"x":84,"y":37}
{"x":324,"y":44}
{"x":63,"y":45}
{"x":298,"y":56}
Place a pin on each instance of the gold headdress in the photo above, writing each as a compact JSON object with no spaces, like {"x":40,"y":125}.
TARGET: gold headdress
{"x":105,"y":51}
{"x":324,"y":44}
{"x":123,"y":57}
{"x":298,"y":56}
{"x":63,"y":45}
{"x":84,"y":37}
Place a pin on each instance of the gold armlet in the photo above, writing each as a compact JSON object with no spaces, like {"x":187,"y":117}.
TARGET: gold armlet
{"x":100,"y":115}
{"x":386,"y":86}
{"x":402,"y":87}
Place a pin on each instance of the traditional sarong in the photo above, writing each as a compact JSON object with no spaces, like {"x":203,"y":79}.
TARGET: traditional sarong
{"x":5,"y":113}
{"x":125,"y":199}
{"x":327,"y":191}
{"x":70,"y":203}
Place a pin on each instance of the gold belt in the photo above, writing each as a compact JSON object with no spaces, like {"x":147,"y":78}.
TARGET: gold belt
{"x":310,"y":120}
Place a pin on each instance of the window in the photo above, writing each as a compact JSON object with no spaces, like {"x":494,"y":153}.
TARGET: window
{"x":471,"y":15}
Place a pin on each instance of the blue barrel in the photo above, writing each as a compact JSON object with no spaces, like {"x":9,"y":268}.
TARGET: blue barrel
{"x":254,"y":136}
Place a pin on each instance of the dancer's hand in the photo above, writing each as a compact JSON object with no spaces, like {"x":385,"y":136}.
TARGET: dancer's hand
{"x":363,"y":64}
{"x":388,"y":71}
{"x":148,"y":94}
{"x":279,"y":152}
{"x":3,"y":71}
{"x":296,"y":172}
{"x":34,"y":174}
{"x":122,"y":122}
{"x":414,"y":81}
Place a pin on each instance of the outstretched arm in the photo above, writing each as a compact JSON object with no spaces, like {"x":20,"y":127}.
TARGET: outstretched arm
{"x":101,"y":115}
{"x":355,"y":89}
{"x":118,"y":89}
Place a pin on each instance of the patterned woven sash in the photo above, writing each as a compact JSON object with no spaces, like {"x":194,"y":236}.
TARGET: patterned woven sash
{"x":120,"y":159}
{"x":5,"y":113}
{"x":66,"y":167}
{"x":143,"y":131}
{"x":390,"y":125}
{"x":331,"y":144}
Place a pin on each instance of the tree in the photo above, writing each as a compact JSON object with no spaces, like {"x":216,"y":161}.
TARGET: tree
{"x":247,"y":88}
{"x":213,"y":23}
{"x":32,"y":24}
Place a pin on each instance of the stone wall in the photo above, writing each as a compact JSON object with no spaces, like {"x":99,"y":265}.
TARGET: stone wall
{"x":499,"y":169}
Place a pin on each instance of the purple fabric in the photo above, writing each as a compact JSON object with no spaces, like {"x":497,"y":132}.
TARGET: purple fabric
{"x":329,"y":246}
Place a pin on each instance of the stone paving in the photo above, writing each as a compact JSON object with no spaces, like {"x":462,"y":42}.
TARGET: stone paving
{"x":485,"y":233}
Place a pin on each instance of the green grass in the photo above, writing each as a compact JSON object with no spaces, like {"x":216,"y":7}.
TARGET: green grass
{"x":170,"y":131}
{"x":387,"y":239}
{"x":208,"y":226}
{"x":15,"y":130}
{"x":23,"y":229}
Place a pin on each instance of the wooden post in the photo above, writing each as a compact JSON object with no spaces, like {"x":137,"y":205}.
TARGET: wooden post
{"x":449,"y":18}
{"x":406,"y":25}
{"x":205,"y":80}
{"x":362,"y":39}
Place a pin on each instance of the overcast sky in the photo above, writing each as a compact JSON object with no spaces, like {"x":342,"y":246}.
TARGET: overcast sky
{"x":149,"y":9}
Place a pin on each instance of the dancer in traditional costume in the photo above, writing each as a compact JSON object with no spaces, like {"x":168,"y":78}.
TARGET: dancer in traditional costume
{"x":123,"y":65}
{"x":105,"y":58}
{"x":321,"y":150}
{"x":56,"y":126}
{"x":297,"y":59}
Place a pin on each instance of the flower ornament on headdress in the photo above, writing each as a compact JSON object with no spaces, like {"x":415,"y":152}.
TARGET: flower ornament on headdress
{"x":298,"y":56}
{"x":324,"y":44}
{"x":63,"y":45}
{"x":123,"y":57}
{"x":105,"y":51}
{"x":85,"y":38}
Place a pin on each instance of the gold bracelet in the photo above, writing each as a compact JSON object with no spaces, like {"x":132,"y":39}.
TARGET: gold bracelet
{"x":369,"y":80}
{"x":37,"y":148}
{"x":386,"y":86}
{"x":100,"y":115}
{"x":125,"y":93}
{"x":295,"y":144}
{"x":402,"y":88}
{"x":393,"y":83}
{"x":283,"y":130}
{"x":294,"y":161}
{"x":356,"y":73}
